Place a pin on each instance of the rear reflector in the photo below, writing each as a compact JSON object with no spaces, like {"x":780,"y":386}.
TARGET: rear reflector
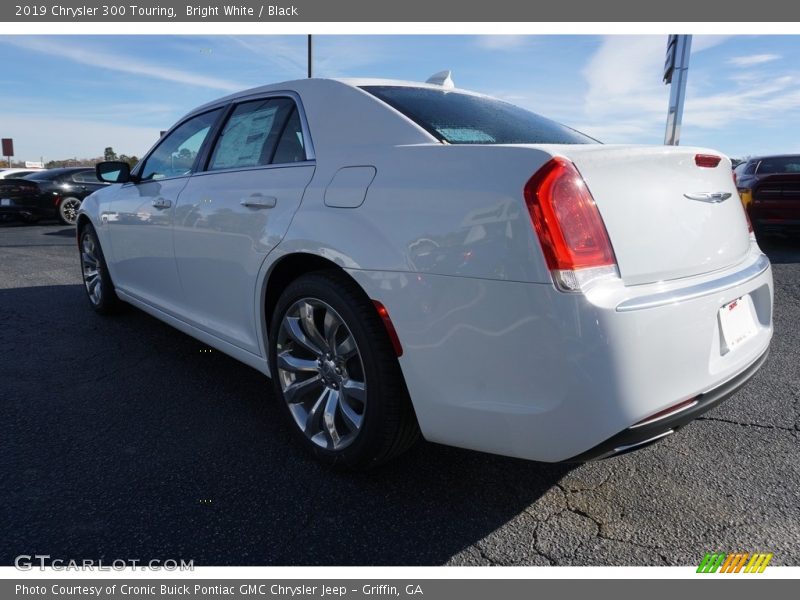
{"x":568,"y":224}
{"x":707,"y":160}
{"x":387,"y":323}
{"x":667,"y":412}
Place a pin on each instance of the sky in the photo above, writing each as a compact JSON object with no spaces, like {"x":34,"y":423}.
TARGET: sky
{"x":72,"y":96}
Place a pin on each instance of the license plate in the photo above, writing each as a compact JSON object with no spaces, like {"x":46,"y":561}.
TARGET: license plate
{"x":5,"y":201}
{"x":737,"y":323}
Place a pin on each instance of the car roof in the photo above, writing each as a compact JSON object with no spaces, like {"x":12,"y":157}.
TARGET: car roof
{"x":320,"y":84}
{"x":48,"y":173}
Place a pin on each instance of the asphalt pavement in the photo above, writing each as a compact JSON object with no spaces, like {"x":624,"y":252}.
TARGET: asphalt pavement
{"x":121,"y":438}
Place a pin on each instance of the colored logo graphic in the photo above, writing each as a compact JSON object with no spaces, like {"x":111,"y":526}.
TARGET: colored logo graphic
{"x":744,"y":562}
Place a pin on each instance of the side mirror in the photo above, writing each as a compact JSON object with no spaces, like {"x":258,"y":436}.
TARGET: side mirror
{"x":113,"y":171}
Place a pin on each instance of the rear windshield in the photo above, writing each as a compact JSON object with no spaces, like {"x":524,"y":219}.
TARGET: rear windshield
{"x":779,"y":164}
{"x":459,"y":118}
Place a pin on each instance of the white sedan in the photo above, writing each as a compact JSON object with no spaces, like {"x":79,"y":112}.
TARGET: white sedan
{"x":406,"y":258}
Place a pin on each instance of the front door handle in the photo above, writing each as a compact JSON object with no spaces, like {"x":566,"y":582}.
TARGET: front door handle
{"x":259,"y":201}
{"x":162,"y":203}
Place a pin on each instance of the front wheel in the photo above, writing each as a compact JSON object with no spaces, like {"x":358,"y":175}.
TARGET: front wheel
{"x":68,"y":210}
{"x":96,"y":280}
{"x":336,"y":374}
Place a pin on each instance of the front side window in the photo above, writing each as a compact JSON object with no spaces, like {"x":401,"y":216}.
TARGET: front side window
{"x":176,"y":154}
{"x":252,"y":133}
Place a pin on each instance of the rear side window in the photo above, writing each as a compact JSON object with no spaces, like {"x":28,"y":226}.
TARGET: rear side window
{"x":252,"y":133}
{"x":290,"y":145}
{"x":458,"y":118}
{"x":85,"y":177}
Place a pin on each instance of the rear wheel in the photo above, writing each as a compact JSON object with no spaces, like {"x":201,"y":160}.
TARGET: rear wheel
{"x":96,"y":280}
{"x":68,"y":210}
{"x":336,"y":374}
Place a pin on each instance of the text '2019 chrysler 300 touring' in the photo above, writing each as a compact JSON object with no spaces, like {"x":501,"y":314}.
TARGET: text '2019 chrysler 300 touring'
{"x":405,"y":259}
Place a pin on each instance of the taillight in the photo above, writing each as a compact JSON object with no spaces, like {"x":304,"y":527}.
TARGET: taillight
{"x":571,"y":231}
{"x":707,"y":160}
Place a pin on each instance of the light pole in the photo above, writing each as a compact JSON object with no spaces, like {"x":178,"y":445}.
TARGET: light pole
{"x":676,"y":72}
{"x":309,"y":56}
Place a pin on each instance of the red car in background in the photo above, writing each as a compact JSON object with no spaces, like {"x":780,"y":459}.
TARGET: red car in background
{"x":770,"y":190}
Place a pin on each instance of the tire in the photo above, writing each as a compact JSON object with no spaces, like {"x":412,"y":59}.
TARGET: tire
{"x":96,"y":279}
{"x":68,"y":210}
{"x":346,"y":399}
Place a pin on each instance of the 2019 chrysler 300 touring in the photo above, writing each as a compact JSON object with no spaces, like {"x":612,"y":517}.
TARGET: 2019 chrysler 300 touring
{"x":408,"y":258}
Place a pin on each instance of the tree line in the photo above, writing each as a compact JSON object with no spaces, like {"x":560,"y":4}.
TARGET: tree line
{"x":108,"y":154}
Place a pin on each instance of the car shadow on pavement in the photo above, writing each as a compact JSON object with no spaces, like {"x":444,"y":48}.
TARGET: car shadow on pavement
{"x":125,"y":439}
{"x":67,"y":231}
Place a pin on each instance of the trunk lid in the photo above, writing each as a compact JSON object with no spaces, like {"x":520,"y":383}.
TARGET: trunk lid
{"x":658,"y":233}
{"x":17,"y":189}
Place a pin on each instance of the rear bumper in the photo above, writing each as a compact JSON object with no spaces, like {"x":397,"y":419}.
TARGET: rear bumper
{"x":26,"y":206}
{"x":634,"y":438}
{"x":524,"y":370}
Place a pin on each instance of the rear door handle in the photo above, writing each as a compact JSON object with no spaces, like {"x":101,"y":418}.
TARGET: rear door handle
{"x":162,"y":203}
{"x":259,"y":201}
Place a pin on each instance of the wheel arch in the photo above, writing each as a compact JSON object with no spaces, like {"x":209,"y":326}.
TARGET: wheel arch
{"x":288,"y":268}
{"x":83,"y":219}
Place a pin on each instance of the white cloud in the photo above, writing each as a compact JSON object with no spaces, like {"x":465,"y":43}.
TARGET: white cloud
{"x":704,"y":42}
{"x":333,"y":56}
{"x":287,"y":56}
{"x":336,"y":56}
{"x":95,"y":57}
{"x":502,"y":42}
{"x":626,"y":99}
{"x":753,"y":59}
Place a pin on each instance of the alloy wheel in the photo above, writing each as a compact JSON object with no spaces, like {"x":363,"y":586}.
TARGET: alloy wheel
{"x":90,"y":262}
{"x":321,"y":374}
{"x":69,"y":210}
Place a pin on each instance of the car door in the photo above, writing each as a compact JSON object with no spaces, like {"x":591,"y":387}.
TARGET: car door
{"x":141,"y":232}
{"x":234,"y":212}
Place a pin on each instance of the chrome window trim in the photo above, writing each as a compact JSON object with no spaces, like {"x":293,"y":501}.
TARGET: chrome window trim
{"x":308,"y":143}
{"x":290,"y":165}
{"x":696,"y":291}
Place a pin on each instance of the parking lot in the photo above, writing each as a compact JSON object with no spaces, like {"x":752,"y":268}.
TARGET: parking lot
{"x":125,"y":439}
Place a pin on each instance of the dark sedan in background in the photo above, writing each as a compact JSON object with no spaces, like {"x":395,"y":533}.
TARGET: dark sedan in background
{"x":54,"y":193}
{"x":770,"y":190}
